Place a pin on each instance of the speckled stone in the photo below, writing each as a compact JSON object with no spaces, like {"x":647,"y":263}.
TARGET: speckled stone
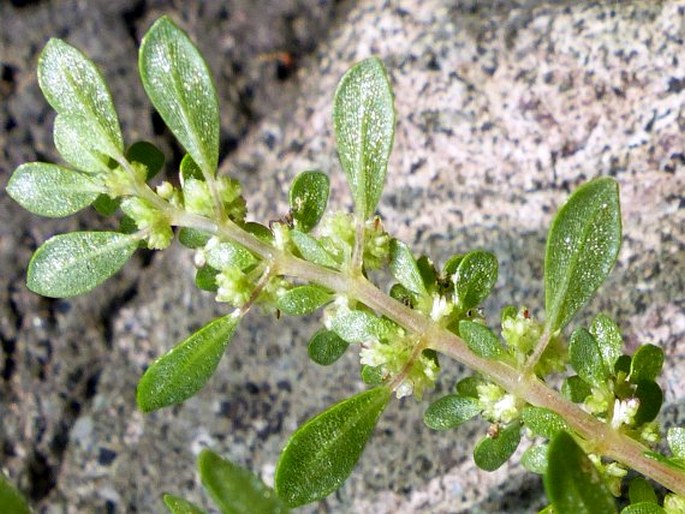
{"x":503,"y":108}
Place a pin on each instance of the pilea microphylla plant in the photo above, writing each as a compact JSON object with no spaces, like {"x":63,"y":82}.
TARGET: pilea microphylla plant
{"x":587,"y":408}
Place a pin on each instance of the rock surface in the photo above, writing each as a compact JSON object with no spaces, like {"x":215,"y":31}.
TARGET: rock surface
{"x":503,"y":108}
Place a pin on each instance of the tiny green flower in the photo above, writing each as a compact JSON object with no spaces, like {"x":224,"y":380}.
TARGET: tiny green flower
{"x":624,"y":412}
{"x":234,"y":287}
{"x":197,"y":197}
{"x":150,"y":219}
{"x":674,"y":504}
{"x":376,"y":244}
{"x":521,"y":332}
{"x":498,"y":405}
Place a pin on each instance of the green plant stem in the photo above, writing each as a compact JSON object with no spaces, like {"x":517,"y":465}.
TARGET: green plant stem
{"x":601,"y":439}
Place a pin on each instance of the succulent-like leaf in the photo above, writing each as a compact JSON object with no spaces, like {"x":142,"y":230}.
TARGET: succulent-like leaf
{"x":73,"y":86}
{"x":651,"y":397}
{"x":302,"y":300}
{"x":308,"y":199}
{"x":193,"y":238}
{"x":147,"y":154}
{"x":586,"y":357}
{"x":372,"y":375}
{"x":474,"y":279}
{"x":572,"y":482}
{"x":235,"y":489}
{"x":582,"y":247}
{"x":364,"y":122}
{"x":643,"y":508}
{"x":676,"y":441}
{"x":227,"y":253}
{"x":50,"y":190}
{"x":608,"y":337}
{"x":450,"y":411}
{"x":321,"y":454}
{"x":326,"y":347}
{"x":311,"y":249}
{"x":640,"y":490}
{"x":185,"y":369}
{"x":543,"y":422}
{"x":205,"y":278}
{"x":178,"y":505}
{"x":576,"y":389}
{"x":75,"y":142}
{"x":189,"y":169}
{"x":646,"y":363}
{"x":491,"y":452}
{"x":469,"y":386}
{"x":177,"y":80}
{"x":11,"y":500}
{"x":358,"y":326}
{"x":482,"y":341}
{"x":71,"y":264}
{"x":404,"y":268}
{"x":534,"y":459}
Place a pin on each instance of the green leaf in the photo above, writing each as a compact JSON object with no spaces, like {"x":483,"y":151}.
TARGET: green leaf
{"x":11,"y":499}
{"x":372,"y":375}
{"x":572,"y":482}
{"x":73,"y":86}
{"x":178,"y":505}
{"x":643,"y":508}
{"x":676,"y":441}
{"x":646,"y":363}
{"x":193,"y":238}
{"x":491,"y":452}
{"x":404,"y":268}
{"x":185,"y":369}
{"x":640,"y":490}
{"x":177,"y":80}
{"x":189,"y":169}
{"x":75,"y":142}
{"x":50,"y":190}
{"x":586,"y":358}
{"x":358,"y":326}
{"x":576,"y":389}
{"x":302,"y":300}
{"x":651,"y":397}
{"x":534,"y":459}
{"x":608,"y":337}
{"x":452,"y":264}
{"x":326,"y":347}
{"x":312,"y":250}
{"x":321,"y":454}
{"x":147,"y":154}
{"x":450,"y":411}
{"x":474,"y":279}
{"x":480,"y":339}
{"x":364,"y":123}
{"x":106,"y":205}
{"x":308,"y":199}
{"x":205,"y":278}
{"x":543,"y":422}
{"x":582,"y":247}
{"x":234,"y":489}
{"x":260,"y":231}
{"x":70,"y":264}
{"x":469,"y":386}
{"x":226,"y":253}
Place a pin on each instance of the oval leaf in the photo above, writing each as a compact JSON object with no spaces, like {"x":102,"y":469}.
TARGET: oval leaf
{"x":308,"y":199}
{"x":646,"y":363}
{"x":148,"y":155}
{"x":543,"y":422}
{"x":358,"y":326}
{"x":491,"y":452}
{"x":404,"y":268}
{"x":643,"y":508}
{"x":572,"y":482}
{"x":640,"y":490}
{"x":326,"y":347}
{"x":364,"y":123}
{"x":73,"y":86}
{"x":302,"y":300}
{"x":474,"y":279}
{"x":651,"y":397}
{"x":482,"y":341}
{"x":179,"y":84}
{"x":608,"y":337}
{"x":312,"y":250}
{"x":50,"y":190}
{"x":534,"y":459}
{"x":177,"y":505}
{"x":11,"y":499}
{"x":71,"y":264}
{"x":582,"y":247}
{"x":576,"y":389}
{"x":450,"y":411}
{"x":235,"y":489}
{"x":184,"y":370}
{"x":586,"y":357}
{"x":321,"y":454}
{"x":222,"y":254}
{"x":73,"y":138}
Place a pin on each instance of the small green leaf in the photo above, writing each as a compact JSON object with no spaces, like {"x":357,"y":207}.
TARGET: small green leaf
{"x":260,"y":231}
{"x":364,"y":122}
{"x":651,"y":397}
{"x":646,"y":363}
{"x":404,"y":268}
{"x":73,"y":86}
{"x":189,"y":169}
{"x":429,"y":274}
{"x":491,"y":452}
{"x":402,"y":294}
{"x":608,"y":337}
{"x":308,"y":199}
{"x":622,"y":364}
{"x":226,"y":253}
{"x":147,"y":154}
{"x":177,"y":80}
{"x":586,"y":357}
{"x":321,"y":454}
{"x":543,"y":422}
{"x":193,"y":238}
{"x":469,"y":386}
{"x":572,"y":482}
{"x":450,"y":411}
{"x":534,"y":459}
{"x":676,"y":441}
{"x":185,"y":369}
{"x":234,"y":489}
{"x":106,"y":205}
{"x":178,"y":505}
{"x":576,"y":389}
{"x":452,"y":264}
{"x":311,"y":249}
{"x":75,"y":142}
{"x":372,"y":375}
{"x":326,"y":347}
{"x":302,"y":300}
{"x":480,"y":339}
{"x":71,"y":264}
{"x":643,"y":508}
{"x":474,"y":279}
{"x":11,"y":499}
{"x":358,"y":326}
{"x":640,"y":490}
{"x":205,"y":278}
{"x":582,"y":247}
{"x":50,"y":190}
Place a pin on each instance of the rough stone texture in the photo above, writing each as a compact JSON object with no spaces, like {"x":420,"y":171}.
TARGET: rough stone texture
{"x":503,"y":108}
